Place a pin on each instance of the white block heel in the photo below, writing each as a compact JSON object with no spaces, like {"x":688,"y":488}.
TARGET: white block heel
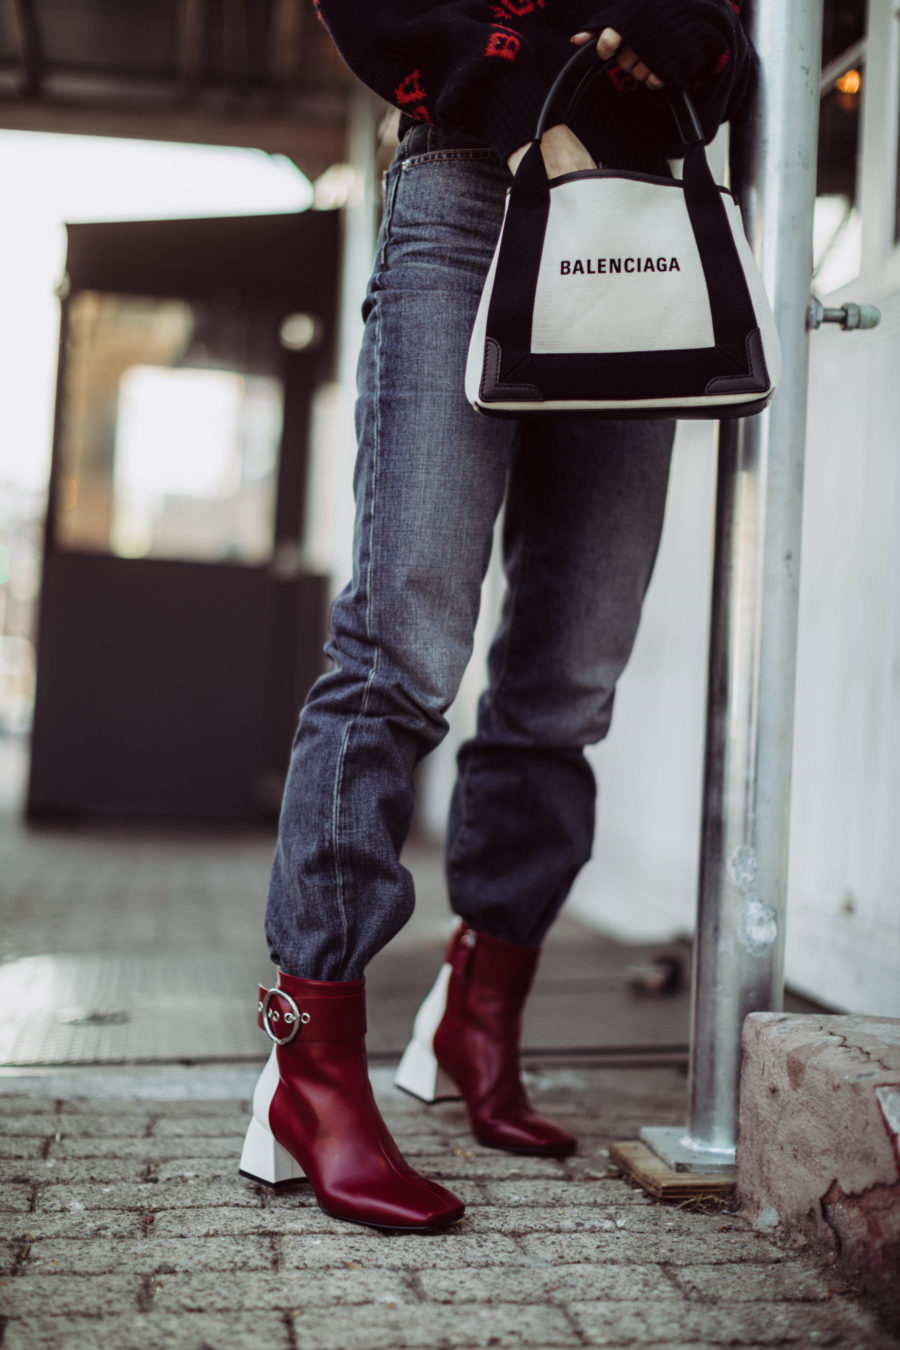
{"x":264,"y":1159}
{"x":419,"y":1072}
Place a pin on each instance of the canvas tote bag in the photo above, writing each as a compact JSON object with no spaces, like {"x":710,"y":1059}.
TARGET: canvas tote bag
{"x":622,"y":294}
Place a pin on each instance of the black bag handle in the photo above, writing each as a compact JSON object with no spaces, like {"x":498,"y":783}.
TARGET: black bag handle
{"x":588,"y":65}
{"x":518,"y":261}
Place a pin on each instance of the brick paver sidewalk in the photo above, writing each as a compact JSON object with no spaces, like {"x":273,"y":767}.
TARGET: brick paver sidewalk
{"x":127,"y":1227}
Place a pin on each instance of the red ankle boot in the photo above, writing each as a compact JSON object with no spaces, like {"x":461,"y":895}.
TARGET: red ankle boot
{"x":314,"y":1114}
{"x":467,"y":1034}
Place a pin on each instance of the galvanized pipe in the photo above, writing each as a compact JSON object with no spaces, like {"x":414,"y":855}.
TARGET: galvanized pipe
{"x":739,"y":947}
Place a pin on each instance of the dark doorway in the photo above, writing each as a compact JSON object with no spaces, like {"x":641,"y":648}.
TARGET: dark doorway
{"x":179,"y":629}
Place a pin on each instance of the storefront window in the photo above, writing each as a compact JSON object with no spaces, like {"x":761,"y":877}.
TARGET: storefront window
{"x":838,"y":226}
{"x":843,"y":25}
{"x":171,"y":423}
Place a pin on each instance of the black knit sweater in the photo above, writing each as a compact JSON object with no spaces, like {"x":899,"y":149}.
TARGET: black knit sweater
{"x":484,"y":66}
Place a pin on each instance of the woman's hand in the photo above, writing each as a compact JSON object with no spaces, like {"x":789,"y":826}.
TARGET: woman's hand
{"x":562,"y":150}
{"x":609,"y":43}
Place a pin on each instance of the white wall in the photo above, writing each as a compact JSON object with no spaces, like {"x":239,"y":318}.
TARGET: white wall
{"x":844,"y":886}
{"x":843,"y":931}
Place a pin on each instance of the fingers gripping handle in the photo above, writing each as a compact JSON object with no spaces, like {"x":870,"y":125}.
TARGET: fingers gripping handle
{"x":586,"y":64}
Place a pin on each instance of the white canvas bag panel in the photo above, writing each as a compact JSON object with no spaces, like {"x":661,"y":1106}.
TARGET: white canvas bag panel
{"x":620,"y":271}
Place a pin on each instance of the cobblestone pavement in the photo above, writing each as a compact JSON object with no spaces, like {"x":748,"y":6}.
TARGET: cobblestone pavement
{"x":125,"y":1226}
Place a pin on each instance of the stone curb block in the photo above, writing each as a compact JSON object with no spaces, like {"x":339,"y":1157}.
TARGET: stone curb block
{"x":818,"y":1156}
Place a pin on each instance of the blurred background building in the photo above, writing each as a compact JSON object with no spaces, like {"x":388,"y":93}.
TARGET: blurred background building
{"x":176,"y":373}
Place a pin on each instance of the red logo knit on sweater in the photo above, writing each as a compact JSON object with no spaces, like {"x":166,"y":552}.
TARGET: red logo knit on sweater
{"x":504,"y":40}
{"x":410,"y":95}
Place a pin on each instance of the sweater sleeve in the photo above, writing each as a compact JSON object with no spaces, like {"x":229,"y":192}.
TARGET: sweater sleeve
{"x":482,"y":66}
{"x":698,"y":45}
{"x":485,"y":66}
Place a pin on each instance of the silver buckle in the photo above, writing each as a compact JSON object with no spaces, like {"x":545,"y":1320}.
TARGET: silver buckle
{"x":294,"y":1018}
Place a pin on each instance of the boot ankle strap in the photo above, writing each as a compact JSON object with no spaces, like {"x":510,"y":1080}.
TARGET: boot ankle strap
{"x":282,"y":1018}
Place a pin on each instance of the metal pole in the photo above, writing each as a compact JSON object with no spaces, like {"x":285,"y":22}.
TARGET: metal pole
{"x":739,"y":947}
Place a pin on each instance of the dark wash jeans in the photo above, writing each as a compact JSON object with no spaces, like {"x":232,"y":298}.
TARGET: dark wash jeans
{"x":584,"y":509}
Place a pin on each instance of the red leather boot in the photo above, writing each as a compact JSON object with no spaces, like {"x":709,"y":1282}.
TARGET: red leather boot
{"x":467,"y":1034}
{"x":314,"y":1113}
